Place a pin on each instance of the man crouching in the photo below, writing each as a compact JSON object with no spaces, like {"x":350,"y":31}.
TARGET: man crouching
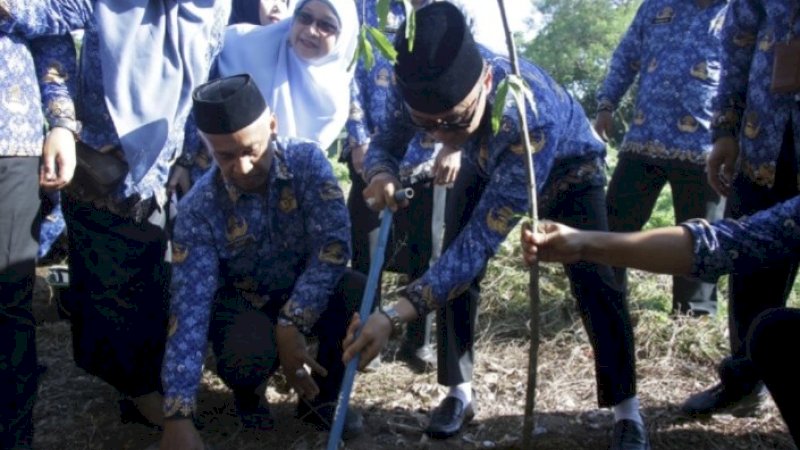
{"x":259,"y":261}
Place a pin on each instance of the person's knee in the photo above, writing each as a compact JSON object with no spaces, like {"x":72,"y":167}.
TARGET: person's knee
{"x":767,"y":333}
{"x":248,"y":354}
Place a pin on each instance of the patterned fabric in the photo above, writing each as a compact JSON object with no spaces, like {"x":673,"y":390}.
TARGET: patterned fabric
{"x":561,"y":135}
{"x":747,"y":107}
{"x":746,"y":244}
{"x":39,"y":17}
{"x":296,"y":236}
{"x":52,"y":222}
{"x":674,"y":48}
{"x":35,"y":72}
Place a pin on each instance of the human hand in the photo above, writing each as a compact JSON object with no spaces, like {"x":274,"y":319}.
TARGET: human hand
{"x":604,"y":124}
{"x":58,"y":159}
{"x":447,"y":165}
{"x":180,"y":434}
{"x":721,"y":164}
{"x":293,"y":354}
{"x":357,"y":154}
{"x":370,"y":341}
{"x":380,"y":192}
{"x":553,"y":242}
{"x":179,"y":182}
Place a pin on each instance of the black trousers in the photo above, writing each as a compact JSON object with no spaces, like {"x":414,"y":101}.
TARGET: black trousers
{"x":754,"y":292}
{"x":601,"y":301}
{"x":118,"y":296}
{"x":632,"y":194}
{"x":409,"y":245}
{"x":771,"y":332}
{"x":19,"y":233}
{"x":243,"y":338}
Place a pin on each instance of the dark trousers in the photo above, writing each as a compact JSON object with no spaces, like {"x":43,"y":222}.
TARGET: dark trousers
{"x":243,"y":338}
{"x":19,"y":232}
{"x":601,"y":303}
{"x":771,"y":332}
{"x":409,"y":245}
{"x":118,"y":296}
{"x":632,"y":194}
{"x":754,"y":292}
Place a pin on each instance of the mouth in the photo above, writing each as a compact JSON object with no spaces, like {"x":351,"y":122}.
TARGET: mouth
{"x":273,"y":18}
{"x":307,"y":43}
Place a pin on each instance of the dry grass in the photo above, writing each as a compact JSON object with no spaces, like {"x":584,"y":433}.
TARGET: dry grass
{"x":675,"y":357}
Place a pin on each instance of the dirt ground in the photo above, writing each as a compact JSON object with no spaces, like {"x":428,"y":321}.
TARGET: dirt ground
{"x":77,"y":411}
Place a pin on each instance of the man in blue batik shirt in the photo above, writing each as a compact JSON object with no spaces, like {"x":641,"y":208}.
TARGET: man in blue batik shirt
{"x":673,"y":48}
{"x":448,"y":85}
{"x":754,"y":163}
{"x":36,"y":78}
{"x":138,"y":66}
{"x":706,"y":251}
{"x":259,"y":261}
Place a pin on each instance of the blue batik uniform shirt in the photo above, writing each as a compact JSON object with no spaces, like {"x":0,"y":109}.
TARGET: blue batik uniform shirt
{"x":747,"y":107}
{"x":295,"y":236}
{"x":745,"y":244}
{"x":45,"y":17}
{"x":568,"y":152}
{"x":36,"y":83}
{"x":673,"y":46}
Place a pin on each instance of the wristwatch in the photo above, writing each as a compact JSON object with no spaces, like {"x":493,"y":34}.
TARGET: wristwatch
{"x":394,"y":319}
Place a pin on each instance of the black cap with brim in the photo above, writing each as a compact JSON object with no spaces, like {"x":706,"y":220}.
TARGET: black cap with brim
{"x":226,"y":105}
{"x":445,"y":63}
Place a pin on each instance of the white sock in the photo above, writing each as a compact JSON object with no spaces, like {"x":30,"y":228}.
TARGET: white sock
{"x":462,"y":392}
{"x":628,"y":409}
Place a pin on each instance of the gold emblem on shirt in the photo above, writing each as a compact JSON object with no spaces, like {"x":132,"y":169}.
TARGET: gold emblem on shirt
{"x":639,"y":117}
{"x":14,"y":101}
{"x":179,"y":253}
{"x":651,"y":67}
{"x":766,"y":42}
{"x":752,"y":127}
{"x":330,"y":190}
{"x":333,"y":253}
{"x":499,"y":220}
{"x":383,"y":78}
{"x":55,"y":73}
{"x":688,"y":124}
{"x":743,"y":39}
{"x":236,"y":228}
{"x":429,"y":298}
{"x":700,"y":71}
{"x":664,"y":16}
{"x":287,"y":202}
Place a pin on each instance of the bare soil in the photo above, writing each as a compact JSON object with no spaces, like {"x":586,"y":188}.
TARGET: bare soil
{"x":77,"y":411}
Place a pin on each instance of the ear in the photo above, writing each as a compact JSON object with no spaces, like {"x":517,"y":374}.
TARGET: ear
{"x":273,"y":124}
{"x":487,"y":80}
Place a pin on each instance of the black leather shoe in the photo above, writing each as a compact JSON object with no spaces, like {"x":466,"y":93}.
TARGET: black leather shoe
{"x":448,"y":418}
{"x":721,"y":399}
{"x":129,"y":413}
{"x":321,"y":417}
{"x":629,"y":435}
{"x":419,"y":360}
{"x":253,"y":411}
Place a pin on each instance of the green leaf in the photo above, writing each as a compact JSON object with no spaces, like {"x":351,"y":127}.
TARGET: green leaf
{"x":411,"y":24}
{"x":499,"y":105}
{"x":366,"y":48}
{"x":384,"y":46}
{"x":382,"y":9}
{"x":520,"y":87}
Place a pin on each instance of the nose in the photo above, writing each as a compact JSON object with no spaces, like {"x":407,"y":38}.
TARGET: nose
{"x":243,"y":165}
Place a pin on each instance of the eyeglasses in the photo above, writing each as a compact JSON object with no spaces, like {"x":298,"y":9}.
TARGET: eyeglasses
{"x":460,"y":123}
{"x":323,"y":26}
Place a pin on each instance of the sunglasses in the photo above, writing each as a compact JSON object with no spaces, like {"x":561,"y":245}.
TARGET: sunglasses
{"x":460,"y":123}
{"x":323,"y":26}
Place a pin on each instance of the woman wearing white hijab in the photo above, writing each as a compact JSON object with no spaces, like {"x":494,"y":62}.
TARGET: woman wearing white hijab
{"x":302,"y":65}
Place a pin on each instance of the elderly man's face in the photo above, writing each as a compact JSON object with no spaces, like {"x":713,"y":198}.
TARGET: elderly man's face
{"x":244,"y":157}
{"x":454,"y":127}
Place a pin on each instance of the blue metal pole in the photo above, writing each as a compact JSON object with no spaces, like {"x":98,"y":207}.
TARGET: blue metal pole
{"x":375,"y":266}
